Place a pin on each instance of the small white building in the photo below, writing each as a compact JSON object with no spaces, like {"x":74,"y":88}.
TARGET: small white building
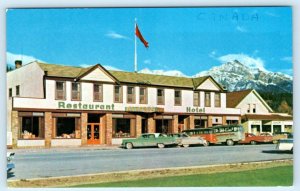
{"x":55,"y":105}
{"x":257,"y":115}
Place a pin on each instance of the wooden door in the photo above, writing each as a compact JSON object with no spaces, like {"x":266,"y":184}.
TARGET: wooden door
{"x":93,"y":133}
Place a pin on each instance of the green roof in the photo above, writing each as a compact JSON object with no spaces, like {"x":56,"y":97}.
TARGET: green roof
{"x":55,"y":70}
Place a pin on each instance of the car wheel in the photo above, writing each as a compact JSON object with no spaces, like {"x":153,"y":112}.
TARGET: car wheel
{"x":275,"y":141}
{"x":129,"y":146}
{"x":160,"y":145}
{"x":229,"y":142}
{"x":292,"y":150}
{"x":253,"y":142}
{"x":207,"y":143}
{"x":186,"y":145}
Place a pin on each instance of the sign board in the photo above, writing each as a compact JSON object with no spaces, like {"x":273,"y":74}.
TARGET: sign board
{"x":145,"y":109}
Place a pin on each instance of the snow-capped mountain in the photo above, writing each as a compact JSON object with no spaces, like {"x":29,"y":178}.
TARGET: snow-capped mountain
{"x":236,"y":76}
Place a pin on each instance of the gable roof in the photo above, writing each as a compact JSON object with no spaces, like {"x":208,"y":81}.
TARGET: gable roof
{"x":55,"y":70}
{"x":234,"y":98}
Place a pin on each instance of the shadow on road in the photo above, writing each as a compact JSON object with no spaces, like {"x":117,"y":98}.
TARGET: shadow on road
{"x":276,"y":152}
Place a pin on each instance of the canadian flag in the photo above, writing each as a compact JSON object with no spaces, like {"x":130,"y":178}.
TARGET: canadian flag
{"x":139,"y":34}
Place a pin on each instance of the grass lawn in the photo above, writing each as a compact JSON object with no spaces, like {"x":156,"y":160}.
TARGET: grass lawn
{"x":276,"y":176}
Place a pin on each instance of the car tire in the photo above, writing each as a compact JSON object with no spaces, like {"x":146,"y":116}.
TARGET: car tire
{"x":186,"y":145}
{"x":275,"y":141}
{"x":253,"y":142}
{"x":160,"y":145}
{"x":229,"y":142}
{"x":292,"y":150}
{"x":207,"y":143}
{"x":128,"y":145}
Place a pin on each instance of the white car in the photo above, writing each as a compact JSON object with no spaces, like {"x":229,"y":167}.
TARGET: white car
{"x":186,"y":140}
{"x":285,"y":145}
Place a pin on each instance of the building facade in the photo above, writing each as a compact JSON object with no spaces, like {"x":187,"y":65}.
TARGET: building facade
{"x":54,"y":105}
{"x":257,"y":115}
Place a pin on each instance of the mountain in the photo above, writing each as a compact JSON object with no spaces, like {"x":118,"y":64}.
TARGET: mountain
{"x":236,"y":76}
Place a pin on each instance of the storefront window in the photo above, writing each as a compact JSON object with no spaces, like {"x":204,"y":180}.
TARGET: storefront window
{"x":177,"y":97}
{"x":207,"y":99}
{"x":121,"y":128}
{"x":143,"y":95}
{"x":118,"y":94}
{"x":160,"y":97}
{"x":217,"y":100}
{"x":31,"y":127}
{"x":60,"y":91}
{"x":196,"y":99}
{"x":130,"y":94}
{"x":75,"y":91}
{"x":67,"y":128}
{"x":98,"y":92}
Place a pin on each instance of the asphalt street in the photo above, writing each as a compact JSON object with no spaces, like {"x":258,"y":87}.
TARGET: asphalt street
{"x":68,"y":162}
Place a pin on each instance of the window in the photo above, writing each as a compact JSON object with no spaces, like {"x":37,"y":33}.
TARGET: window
{"x":254,"y":108}
{"x":130,"y":94}
{"x":67,"y":128}
{"x":60,"y":91}
{"x":75,"y":91}
{"x":121,"y":127}
{"x":118,"y":94}
{"x":248,"y":110}
{"x":31,"y":127}
{"x":160,"y":97}
{"x":17,"y":90}
{"x":217,"y":100}
{"x":10,"y":92}
{"x":196,"y":99}
{"x":98,"y":92}
{"x":177,"y":97}
{"x":143,"y":95}
{"x":207,"y":99}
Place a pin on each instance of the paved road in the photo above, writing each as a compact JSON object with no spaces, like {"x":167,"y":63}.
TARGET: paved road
{"x":52,"y":163}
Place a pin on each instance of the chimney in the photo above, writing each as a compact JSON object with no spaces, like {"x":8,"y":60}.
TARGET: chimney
{"x":18,"y":64}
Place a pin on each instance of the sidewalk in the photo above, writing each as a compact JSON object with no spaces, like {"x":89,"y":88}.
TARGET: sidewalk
{"x":65,"y":149}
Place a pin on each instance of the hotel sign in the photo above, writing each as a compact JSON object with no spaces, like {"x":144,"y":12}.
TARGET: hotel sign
{"x":195,"y":109}
{"x":144,"y":109}
{"x":82,"y":106}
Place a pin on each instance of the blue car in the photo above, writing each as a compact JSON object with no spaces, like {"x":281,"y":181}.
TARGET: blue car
{"x":10,"y":165}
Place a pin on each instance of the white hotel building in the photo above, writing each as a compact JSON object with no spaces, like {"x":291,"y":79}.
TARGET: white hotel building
{"x":54,"y":105}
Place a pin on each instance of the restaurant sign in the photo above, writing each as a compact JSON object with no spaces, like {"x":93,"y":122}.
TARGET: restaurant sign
{"x":82,"y":106}
{"x":144,"y":109}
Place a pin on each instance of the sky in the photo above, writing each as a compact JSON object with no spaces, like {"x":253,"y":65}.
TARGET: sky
{"x":182,"y":41}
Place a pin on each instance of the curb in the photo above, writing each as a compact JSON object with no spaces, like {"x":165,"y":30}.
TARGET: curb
{"x":66,"y":181}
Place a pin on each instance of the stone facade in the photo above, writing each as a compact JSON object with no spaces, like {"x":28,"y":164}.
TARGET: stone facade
{"x":83,"y":123}
{"x":151,"y":125}
{"x":138,"y":125}
{"x":15,"y":128}
{"x":108,"y":129}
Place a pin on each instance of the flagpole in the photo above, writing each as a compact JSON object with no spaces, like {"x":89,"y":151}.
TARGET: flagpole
{"x":135,"y":51}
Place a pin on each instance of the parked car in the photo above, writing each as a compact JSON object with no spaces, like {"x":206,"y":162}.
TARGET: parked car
{"x":285,"y":145}
{"x":281,"y":135}
{"x":150,"y":140}
{"x":10,"y":165}
{"x":186,"y":140}
{"x":252,"y":139}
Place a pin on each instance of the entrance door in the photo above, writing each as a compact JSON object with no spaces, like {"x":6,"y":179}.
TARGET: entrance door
{"x":93,"y":133}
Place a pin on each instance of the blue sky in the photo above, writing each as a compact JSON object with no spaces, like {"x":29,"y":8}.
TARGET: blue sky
{"x":182,"y":40}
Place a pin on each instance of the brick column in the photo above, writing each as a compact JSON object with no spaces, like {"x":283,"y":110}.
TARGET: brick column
{"x":132,"y":128}
{"x":175,"y":124}
{"x":224,"y":120}
{"x":138,"y":125}
{"x":102,"y":129}
{"x":14,"y":128}
{"x":108,"y":129}
{"x":191,"y":122}
{"x":186,"y":123}
{"x":151,"y":125}
{"x":48,"y":129}
{"x":209,"y":121}
{"x":83,"y":123}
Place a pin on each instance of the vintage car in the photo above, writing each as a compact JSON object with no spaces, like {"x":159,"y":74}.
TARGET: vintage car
{"x":150,"y":140}
{"x":254,"y":139}
{"x":281,"y":135}
{"x":10,"y":165}
{"x":285,"y":145}
{"x":186,"y":140}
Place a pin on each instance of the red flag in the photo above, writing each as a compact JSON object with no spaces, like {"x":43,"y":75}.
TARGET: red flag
{"x":139,"y":34}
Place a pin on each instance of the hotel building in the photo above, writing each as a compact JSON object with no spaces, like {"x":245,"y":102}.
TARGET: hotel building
{"x":54,"y":105}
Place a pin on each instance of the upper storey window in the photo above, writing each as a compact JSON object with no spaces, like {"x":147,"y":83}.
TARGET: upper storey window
{"x":217,"y":100}
{"x":118,"y":94}
{"x":130,"y":94}
{"x":207,"y":99}
{"x":98,"y":92}
{"x":75,"y":91}
{"x":143,"y":95}
{"x":160,"y":97}
{"x":60,"y":90}
{"x":177,"y":97}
